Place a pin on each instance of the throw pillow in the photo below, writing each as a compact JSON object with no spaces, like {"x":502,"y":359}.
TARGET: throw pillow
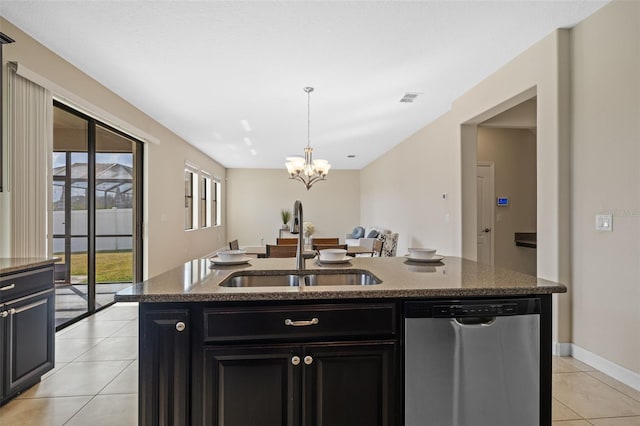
{"x":373,"y":234}
{"x":358,"y":232}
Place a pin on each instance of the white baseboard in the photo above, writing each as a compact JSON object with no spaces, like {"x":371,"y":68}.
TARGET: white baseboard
{"x":628,"y":377}
{"x":561,"y":349}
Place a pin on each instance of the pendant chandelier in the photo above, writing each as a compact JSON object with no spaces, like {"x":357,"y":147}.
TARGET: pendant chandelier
{"x":307,"y":170}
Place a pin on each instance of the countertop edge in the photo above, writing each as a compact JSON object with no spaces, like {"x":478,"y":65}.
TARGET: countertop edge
{"x":199,"y":281}
{"x":336,"y":295}
{"x":20,"y":264}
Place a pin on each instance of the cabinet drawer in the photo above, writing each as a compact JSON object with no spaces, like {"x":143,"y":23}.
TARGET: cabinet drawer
{"x":301,"y":322}
{"x":22,"y":283}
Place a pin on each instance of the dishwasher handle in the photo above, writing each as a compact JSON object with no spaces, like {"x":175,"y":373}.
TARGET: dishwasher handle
{"x":475,"y":321}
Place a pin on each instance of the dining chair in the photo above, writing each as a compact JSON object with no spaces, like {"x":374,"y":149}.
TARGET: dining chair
{"x":325,"y":241}
{"x":281,"y":250}
{"x":318,"y":247}
{"x":286,"y":241}
{"x":233,"y":245}
{"x":377,"y":248}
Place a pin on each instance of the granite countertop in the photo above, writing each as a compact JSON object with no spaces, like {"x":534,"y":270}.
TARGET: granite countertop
{"x":13,"y":264}
{"x":196,"y":281}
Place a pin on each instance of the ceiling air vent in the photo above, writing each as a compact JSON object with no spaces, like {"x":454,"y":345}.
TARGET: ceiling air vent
{"x":409,"y":97}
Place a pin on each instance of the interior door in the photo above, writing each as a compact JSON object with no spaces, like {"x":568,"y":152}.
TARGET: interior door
{"x":485,"y":197}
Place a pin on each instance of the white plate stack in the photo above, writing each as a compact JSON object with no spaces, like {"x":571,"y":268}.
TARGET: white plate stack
{"x":423,"y":255}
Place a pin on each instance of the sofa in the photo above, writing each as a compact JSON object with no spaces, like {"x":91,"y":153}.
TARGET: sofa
{"x":364,"y":237}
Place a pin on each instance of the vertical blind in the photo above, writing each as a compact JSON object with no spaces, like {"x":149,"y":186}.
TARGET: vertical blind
{"x":30,"y":137}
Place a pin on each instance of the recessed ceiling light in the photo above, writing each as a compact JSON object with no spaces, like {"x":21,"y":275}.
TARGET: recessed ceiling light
{"x":351,"y":156}
{"x":245,"y":125}
{"x":247,"y":141}
{"x":253,"y":151}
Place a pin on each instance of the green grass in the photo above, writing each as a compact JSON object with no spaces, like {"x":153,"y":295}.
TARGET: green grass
{"x":111,"y":266}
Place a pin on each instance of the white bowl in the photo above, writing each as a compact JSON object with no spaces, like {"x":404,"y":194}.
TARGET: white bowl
{"x":422,"y":253}
{"x":231,"y":255}
{"x":332,"y":254}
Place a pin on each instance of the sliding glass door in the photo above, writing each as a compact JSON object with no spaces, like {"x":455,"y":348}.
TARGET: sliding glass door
{"x":96,"y":213}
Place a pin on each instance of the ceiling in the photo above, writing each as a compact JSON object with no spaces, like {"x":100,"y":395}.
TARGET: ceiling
{"x":202,"y":67}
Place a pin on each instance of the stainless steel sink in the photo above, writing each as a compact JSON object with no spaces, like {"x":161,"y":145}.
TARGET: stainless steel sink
{"x":293,"y":280}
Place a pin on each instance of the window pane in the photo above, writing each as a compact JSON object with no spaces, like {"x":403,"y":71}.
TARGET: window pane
{"x":205,"y":208}
{"x":71,"y":279}
{"x":69,"y":211}
{"x":188,"y":200}
{"x":114,"y":192}
{"x":215,"y":204}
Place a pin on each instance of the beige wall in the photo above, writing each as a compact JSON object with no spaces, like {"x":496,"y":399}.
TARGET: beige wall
{"x":513,"y":154}
{"x":588,"y":157}
{"x":441,"y":158}
{"x":606,"y":179}
{"x":403,"y":190}
{"x":166,"y":243}
{"x":256,"y":196}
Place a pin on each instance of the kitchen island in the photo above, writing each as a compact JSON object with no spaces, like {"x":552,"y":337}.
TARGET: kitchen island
{"x":309,"y":355}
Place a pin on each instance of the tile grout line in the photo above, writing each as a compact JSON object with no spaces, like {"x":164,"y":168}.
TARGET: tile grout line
{"x":570,"y":409}
{"x":607,"y":384}
{"x":80,"y":409}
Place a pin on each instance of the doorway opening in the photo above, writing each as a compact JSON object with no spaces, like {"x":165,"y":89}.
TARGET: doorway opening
{"x":508,"y":141}
{"x":505,"y":211}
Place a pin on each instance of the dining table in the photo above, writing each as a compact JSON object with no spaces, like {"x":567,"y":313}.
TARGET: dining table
{"x":261,"y":251}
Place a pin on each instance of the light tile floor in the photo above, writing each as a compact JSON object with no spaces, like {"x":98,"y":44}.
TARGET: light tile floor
{"x":95,"y":382}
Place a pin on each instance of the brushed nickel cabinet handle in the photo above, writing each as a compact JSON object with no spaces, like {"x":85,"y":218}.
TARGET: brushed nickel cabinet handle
{"x":295,"y":360}
{"x":4,"y":314}
{"x":7,"y":287}
{"x":312,"y":321}
{"x":308,"y":360}
{"x":21,"y":309}
{"x":180,"y":326}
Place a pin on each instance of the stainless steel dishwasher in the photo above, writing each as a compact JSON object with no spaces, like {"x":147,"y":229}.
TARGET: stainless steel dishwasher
{"x":472,"y":362}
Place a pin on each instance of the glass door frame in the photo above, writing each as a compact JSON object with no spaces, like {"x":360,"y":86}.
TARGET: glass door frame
{"x":137,"y":245}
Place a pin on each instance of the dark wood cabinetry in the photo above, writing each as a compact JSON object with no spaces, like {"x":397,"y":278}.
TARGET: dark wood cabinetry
{"x":350,"y":384}
{"x":330,"y":384}
{"x":164,"y":366}
{"x":27,"y":330}
{"x":251,"y":385}
{"x":304,"y":365}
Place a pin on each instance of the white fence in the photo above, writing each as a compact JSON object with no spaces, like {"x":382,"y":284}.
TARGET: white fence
{"x":108,"y":221}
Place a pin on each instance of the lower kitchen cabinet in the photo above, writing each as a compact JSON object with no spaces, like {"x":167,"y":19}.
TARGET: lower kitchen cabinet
{"x":27,"y":330}
{"x":252,"y":385}
{"x":349,"y":384}
{"x":328,"y":384}
{"x":302,"y":365}
{"x":164,"y":367}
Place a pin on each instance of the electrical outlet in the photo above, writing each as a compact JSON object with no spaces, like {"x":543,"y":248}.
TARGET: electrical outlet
{"x":604,"y":222}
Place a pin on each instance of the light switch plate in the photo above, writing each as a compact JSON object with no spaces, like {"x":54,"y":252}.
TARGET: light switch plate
{"x":604,"y":222}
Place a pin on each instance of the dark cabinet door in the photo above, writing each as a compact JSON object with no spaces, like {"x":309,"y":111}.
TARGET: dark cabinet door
{"x":29,"y":340}
{"x":252,"y":386}
{"x":350,"y":384}
{"x":164,"y":355}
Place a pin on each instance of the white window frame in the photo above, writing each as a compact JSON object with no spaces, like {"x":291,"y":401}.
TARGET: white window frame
{"x":216,"y":201}
{"x":192,"y":185}
{"x":205,"y":199}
